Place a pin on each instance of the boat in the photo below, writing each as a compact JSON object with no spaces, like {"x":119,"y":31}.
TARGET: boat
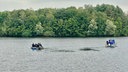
{"x":37,"y":46}
{"x":111,"y":43}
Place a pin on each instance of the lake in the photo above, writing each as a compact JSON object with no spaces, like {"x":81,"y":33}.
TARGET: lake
{"x":63,"y":55}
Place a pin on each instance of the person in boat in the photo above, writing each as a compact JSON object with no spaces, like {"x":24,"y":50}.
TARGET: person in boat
{"x":107,"y":42}
{"x":33,"y":45}
{"x":37,"y":45}
{"x":40,"y":44}
{"x":111,"y":42}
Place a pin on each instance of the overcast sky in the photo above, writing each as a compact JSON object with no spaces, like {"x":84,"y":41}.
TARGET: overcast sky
{"x":36,"y":4}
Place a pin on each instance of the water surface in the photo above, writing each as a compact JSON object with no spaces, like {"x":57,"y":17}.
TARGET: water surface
{"x":63,"y":55}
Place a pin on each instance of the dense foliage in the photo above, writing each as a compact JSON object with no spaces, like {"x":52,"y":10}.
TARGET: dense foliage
{"x":102,"y":20}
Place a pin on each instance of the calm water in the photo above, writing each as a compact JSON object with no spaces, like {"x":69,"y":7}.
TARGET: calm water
{"x":63,"y":55}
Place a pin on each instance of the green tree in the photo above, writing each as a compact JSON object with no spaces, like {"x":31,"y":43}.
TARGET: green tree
{"x":39,"y":29}
{"x":102,"y":20}
{"x":110,"y":28}
{"x":92,"y":28}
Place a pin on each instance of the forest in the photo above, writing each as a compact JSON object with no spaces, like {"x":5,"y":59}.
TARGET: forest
{"x":88,"y":21}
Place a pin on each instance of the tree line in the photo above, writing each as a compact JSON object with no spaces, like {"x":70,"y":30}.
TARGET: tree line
{"x":88,"y":21}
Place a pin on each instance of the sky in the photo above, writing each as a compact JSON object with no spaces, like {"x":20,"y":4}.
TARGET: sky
{"x":8,"y":5}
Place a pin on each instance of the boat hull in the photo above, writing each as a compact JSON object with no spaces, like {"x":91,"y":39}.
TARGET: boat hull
{"x":37,"y":48}
{"x":111,"y":46}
